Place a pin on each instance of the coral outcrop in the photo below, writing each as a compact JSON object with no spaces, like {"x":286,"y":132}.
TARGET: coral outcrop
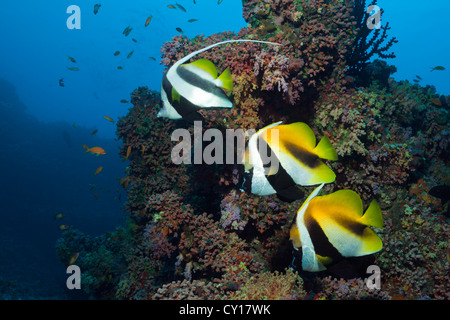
{"x":193,"y":234}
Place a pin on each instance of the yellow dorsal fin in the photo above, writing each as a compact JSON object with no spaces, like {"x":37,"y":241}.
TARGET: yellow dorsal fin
{"x":295,"y":237}
{"x":226,"y":79}
{"x":349,"y":199}
{"x":206,"y":65}
{"x":372,"y":216}
{"x":298,"y":133}
{"x":325,"y":149}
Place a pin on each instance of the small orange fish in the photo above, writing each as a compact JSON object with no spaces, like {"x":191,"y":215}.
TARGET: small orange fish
{"x":128,"y":152}
{"x":120,"y":67}
{"x":436,"y":102}
{"x":71,"y":59}
{"x":73,"y":258}
{"x":94,"y":132}
{"x":99,"y":169}
{"x":63,"y":227}
{"x":95,"y":150}
{"x":171,"y":6}
{"x":96,"y":196}
{"x":143,"y":149}
{"x":126,"y":182}
{"x":148,"y":21}
{"x":116,"y":53}
{"x":109,"y":119}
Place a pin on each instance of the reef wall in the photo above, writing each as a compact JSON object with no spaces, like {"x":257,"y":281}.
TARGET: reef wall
{"x":193,"y":234}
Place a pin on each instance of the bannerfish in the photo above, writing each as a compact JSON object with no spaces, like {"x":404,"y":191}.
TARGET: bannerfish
{"x":332,"y":227}
{"x":279,"y":157}
{"x":186,"y":88}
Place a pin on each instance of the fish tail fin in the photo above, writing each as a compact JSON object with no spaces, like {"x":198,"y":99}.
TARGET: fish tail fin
{"x":325,"y":149}
{"x":372,"y":216}
{"x":225,"y":80}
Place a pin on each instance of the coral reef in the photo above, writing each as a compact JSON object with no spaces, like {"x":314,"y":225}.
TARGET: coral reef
{"x":193,"y":234}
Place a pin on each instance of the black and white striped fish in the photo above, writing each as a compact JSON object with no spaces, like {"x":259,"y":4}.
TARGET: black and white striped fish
{"x":187,"y":88}
{"x":281,"y":156}
{"x":333,"y":227}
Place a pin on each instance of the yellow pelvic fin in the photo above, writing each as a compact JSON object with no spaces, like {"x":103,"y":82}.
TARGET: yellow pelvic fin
{"x":295,"y":237}
{"x":247,"y":163}
{"x":226,"y":79}
{"x":347,"y":199}
{"x":175,"y":95}
{"x":206,"y":65}
{"x":324,"y":260}
{"x":325,"y":149}
{"x":372,"y":216}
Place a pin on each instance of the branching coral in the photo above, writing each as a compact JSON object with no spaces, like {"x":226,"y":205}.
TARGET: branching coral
{"x":364,"y":47}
